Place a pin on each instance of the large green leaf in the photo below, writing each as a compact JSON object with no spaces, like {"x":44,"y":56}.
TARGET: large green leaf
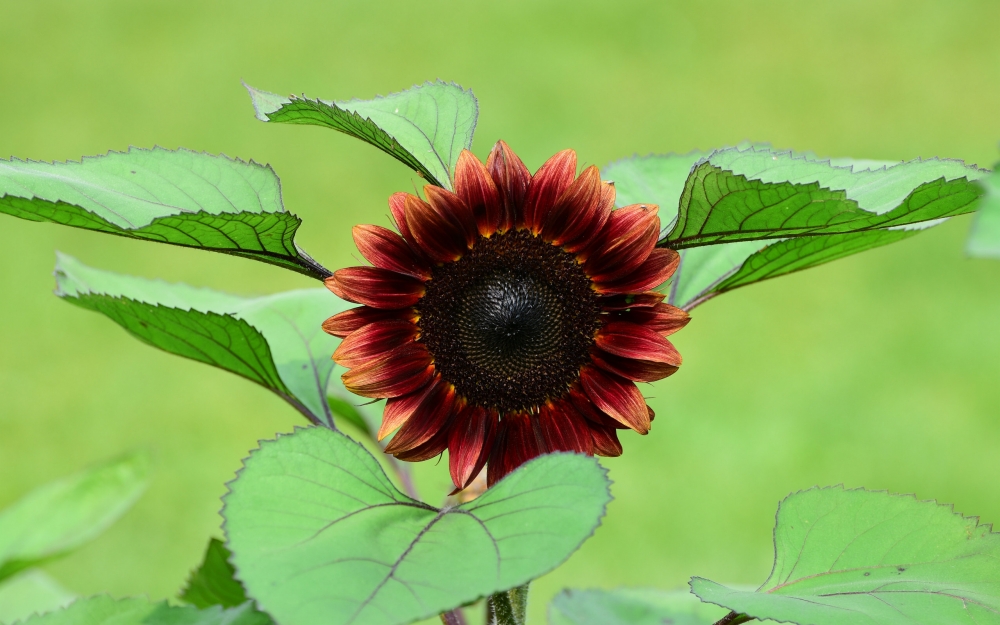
{"x":631,"y":606}
{"x":104,"y":610}
{"x":424,"y":127}
{"x":857,"y":557}
{"x":320,"y":536}
{"x":984,"y":240}
{"x":276,"y":340}
{"x":712,"y":269}
{"x":178,"y":197}
{"x":214,"y":582}
{"x":58,"y":517}
{"x":743,"y":194}
{"x":31,"y":592}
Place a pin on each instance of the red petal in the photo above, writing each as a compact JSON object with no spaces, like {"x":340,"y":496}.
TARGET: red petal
{"x":574,"y":214}
{"x":378,"y":288}
{"x":634,"y":341}
{"x":397,"y":204}
{"x":454,"y":208}
{"x":374,"y":341}
{"x":606,"y":441}
{"x":399,"y":409}
{"x":564,"y":429}
{"x":439,"y":235}
{"x":512,"y":179}
{"x":386,"y":249}
{"x":662,"y":318}
{"x":399,"y":373}
{"x":429,"y":418}
{"x":631,"y":368}
{"x":605,"y":204}
{"x":476,"y":188}
{"x":616,"y":397}
{"x":469,"y":442}
{"x":657,"y":269}
{"x":344,"y":323}
{"x":628,"y":238}
{"x":548,"y":183}
{"x":516,"y":444}
{"x":632,"y":300}
{"x":583,"y":405}
{"x":425,"y":451}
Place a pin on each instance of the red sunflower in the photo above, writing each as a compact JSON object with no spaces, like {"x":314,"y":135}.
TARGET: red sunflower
{"x":510,"y":318}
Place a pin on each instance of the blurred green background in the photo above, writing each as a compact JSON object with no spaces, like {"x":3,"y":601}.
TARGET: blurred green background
{"x":879,"y":370}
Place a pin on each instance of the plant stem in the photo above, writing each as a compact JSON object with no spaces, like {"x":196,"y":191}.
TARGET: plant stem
{"x":508,"y":607}
{"x":453,"y":617}
{"x":734,"y":618}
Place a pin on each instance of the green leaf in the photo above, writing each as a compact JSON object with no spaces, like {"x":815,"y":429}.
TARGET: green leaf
{"x":757,"y":193}
{"x":178,"y":197}
{"x":984,"y":240}
{"x":31,"y":592}
{"x":712,"y":269}
{"x":60,"y":516}
{"x":631,"y":606}
{"x":425,"y":127}
{"x":857,"y":557}
{"x":104,"y":610}
{"x":214,"y":582}
{"x":320,"y":535}
{"x":276,"y":340}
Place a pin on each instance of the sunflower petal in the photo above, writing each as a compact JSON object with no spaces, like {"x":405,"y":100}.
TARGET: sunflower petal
{"x":378,"y":288}
{"x":628,"y":238}
{"x":606,"y":441}
{"x":387,"y":250}
{"x":512,"y":179}
{"x":476,"y":188}
{"x":399,"y":373}
{"x":374,"y":341}
{"x":429,"y":419}
{"x":515,"y":444}
{"x":438,"y":235}
{"x":397,"y":205}
{"x":662,"y":318}
{"x":548,"y":183}
{"x":661,"y":264}
{"x":399,"y":409}
{"x":589,"y":231}
{"x":629,"y":340}
{"x":632,"y":368}
{"x":343,"y":323}
{"x":575,"y":213}
{"x":617,"y":397}
{"x":469,"y":441}
{"x":455,"y":209}
{"x":631,"y":300}
{"x":564,"y":429}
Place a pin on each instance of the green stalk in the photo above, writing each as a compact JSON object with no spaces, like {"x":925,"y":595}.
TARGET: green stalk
{"x":508,"y":607}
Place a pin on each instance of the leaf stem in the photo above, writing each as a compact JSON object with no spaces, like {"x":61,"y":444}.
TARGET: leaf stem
{"x":508,"y":607}
{"x":734,"y":618}
{"x":453,"y":617}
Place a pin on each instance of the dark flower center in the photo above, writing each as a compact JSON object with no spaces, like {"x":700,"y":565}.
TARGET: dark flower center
{"x":511,"y":322}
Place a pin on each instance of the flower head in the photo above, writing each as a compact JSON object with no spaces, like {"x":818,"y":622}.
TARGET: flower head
{"x":509,"y":318}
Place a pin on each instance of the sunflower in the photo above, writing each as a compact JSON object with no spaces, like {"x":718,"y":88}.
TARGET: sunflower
{"x":509,"y":318}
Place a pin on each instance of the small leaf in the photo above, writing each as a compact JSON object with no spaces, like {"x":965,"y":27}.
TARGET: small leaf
{"x":425,"y":127}
{"x":320,"y":536}
{"x":857,"y":557}
{"x":31,"y":592}
{"x":178,"y":197}
{"x":984,"y":240}
{"x":104,"y":610}
{"x":276,"y":340}
{"x":60,"y":516}
{"x":757,"y":193}
{"x":631,"y":606}
{"x":214,"y":582}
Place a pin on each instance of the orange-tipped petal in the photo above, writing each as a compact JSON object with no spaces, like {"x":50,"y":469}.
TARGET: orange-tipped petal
{"x":429,"y":419}
{"x":661,"y":264}
{"x":438,"y":233}
{"x":399,"y":373}
{"x":398,"y":410}
{"x":606,"y":441}
{"x":601,"y":214}
{"x":576,"y":213}
{"x":469,"y":442}
{"x":564,"y":429}
{"x":628,"y":238}
{"x":343,"y":323}
{"x":616,"y":397}
{"x":476,"y":188}
{"x":548,"y":183}
{"x":631,"y":368}
{"x":387,"y":250}
{"x":378,"y":288}
{"x":373,"y":341}
{"x":512,"y":179}
{"x":630,"y":340}
{"x":397,"y":205}
{"x":662,"y":318}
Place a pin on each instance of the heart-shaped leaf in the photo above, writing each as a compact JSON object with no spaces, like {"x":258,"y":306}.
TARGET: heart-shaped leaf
{"x":178,"y":197}
{"x":631,"y":606}
{"x":276,"y":341}
{"x":104,"y":610}
{"x":60,"y":516}
{"x":857,"y":557}
{"x":320,"y":536}
{"x":984,"y":240}
{"x":425,"y":127}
